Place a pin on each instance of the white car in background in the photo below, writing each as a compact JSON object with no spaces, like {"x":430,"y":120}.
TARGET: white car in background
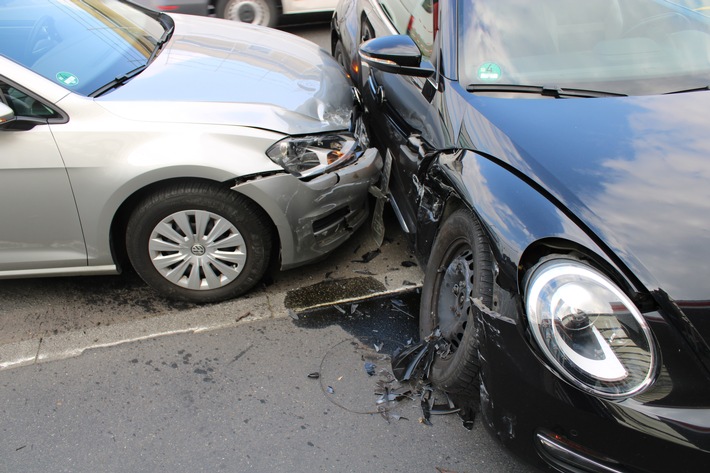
{"x":259,"y":12}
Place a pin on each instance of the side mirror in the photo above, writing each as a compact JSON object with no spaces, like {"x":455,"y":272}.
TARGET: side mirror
{"x":6,"y":114}
{"x":397,"y":54}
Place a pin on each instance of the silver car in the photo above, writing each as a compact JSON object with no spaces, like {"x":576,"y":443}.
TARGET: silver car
{"x":199,"y":148}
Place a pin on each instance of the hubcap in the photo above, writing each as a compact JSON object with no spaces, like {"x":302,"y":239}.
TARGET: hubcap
{"x":248,"y":11}
{"x":454,"y":297}
{"x":197,"y":250}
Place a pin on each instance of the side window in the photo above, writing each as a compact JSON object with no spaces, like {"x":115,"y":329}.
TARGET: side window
{"x":399,"y":13}
{"x":23,"y":104}
{"x":415,"y":18}
{"x":421,"y":25}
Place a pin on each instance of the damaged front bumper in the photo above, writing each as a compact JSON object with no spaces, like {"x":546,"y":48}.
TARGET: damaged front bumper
{"x":540,"y":416}
{"x":313,"y":217}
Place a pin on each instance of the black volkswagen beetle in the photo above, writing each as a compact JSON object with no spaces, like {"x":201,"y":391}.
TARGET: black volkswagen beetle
{"x":550,"y":160}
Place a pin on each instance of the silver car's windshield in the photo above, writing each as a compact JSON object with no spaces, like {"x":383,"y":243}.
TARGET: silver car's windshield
{"x":630,"y":47}
{"x":82,"y":45}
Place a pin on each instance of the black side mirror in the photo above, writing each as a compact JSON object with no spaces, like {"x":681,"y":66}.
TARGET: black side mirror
{"x":397,"y":54}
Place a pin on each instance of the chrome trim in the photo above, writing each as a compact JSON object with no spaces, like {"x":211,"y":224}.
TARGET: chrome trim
{"x":564,"y":457}
{"x":52,"y":272}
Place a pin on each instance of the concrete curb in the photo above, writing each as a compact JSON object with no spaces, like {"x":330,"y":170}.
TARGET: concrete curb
{"x":264,"y":303}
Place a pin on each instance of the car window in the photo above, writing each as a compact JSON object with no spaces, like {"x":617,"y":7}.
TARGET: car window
{"x":24,"y":104}
{"x":421,"y":25}
{"x":79,"y":45}
{"x":414,"y":18}
{"x":629,"y":47}
{"x":399,"y":12}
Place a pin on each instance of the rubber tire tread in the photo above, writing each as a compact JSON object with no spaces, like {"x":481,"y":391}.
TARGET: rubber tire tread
{"x":250,"y":220}
{"x":460,"y":373}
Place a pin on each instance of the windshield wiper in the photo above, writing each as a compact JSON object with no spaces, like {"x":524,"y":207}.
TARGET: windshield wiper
{"x":169,"y":26}
{"x":695,"y":89}
{"x":545,"y":90}
{"x":120,"y":80}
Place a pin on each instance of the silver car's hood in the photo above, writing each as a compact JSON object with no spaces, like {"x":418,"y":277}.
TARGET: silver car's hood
{"x":220,"y":72}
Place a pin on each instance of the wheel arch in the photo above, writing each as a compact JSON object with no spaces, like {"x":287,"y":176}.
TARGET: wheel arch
{"x":117,"y":237}
{"x":520,"y":223}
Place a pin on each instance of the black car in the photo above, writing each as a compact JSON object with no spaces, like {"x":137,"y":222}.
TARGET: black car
{"x":550,"y":161}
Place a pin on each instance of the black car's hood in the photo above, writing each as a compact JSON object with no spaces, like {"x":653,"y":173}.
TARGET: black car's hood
{"x":636,"y":170}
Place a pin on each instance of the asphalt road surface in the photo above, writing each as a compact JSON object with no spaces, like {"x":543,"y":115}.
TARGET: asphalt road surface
{"x":239,"y":400}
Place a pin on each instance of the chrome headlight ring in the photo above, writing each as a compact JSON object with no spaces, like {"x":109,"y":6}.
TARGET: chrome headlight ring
{"x":589,"y":330}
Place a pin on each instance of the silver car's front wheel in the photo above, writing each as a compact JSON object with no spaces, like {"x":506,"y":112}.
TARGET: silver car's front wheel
{"x":257,"y":12}
{"x":199,"y":242}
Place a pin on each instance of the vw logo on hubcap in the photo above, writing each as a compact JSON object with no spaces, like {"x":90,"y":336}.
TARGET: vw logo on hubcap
{"x":198,"y":250}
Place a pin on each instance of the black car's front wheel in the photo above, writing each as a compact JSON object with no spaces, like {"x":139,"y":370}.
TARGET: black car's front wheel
{"x":460,"y":270}
{"x":199,"y":242}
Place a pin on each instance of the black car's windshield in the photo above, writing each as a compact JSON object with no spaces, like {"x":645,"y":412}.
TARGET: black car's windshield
{"x":80,"y":44}
{"x":629,"y":47}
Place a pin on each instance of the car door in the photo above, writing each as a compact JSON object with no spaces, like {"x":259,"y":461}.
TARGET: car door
{"x":40,"y":224}
{"x":405,"y":117}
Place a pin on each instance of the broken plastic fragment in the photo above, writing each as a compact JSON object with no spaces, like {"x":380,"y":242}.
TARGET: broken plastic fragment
{"x":426,"y":406}
{"x":292,"y":314}
{"x":405,"y":361}
{"x":378,"y":346}
{"x":314,"y":375}
{"x":370,"y":368}
{"x":369,"y":256}
{"x":330,"y":390}
{"x":467,"y":415}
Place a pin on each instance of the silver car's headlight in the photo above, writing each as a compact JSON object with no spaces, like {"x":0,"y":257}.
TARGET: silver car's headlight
{"x":309,"y":156}
{"x":589,"y":329}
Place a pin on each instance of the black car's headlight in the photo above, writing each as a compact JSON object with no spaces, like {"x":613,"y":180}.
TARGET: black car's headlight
{"x":589,"y":329}
{"x":309,"y":156}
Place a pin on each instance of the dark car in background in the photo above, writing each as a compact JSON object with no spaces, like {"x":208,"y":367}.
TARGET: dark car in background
{"x":258,"y":12}
{"x":550,"y":163}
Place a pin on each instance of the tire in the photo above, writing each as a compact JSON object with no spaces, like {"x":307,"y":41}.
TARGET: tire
{"x":340,"y":56}
{"x":256,"y":12}
{"x":367,"y":32}
{"x":460,"y":268}
{"x":222,"y":259}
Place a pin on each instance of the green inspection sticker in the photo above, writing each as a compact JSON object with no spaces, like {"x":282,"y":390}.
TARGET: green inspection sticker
{"x":68,"y":79}
{"x":489,"y":72}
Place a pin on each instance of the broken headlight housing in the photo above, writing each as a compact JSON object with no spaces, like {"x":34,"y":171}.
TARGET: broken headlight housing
{"x":589,"y":330}
{"x":309,"y":156}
